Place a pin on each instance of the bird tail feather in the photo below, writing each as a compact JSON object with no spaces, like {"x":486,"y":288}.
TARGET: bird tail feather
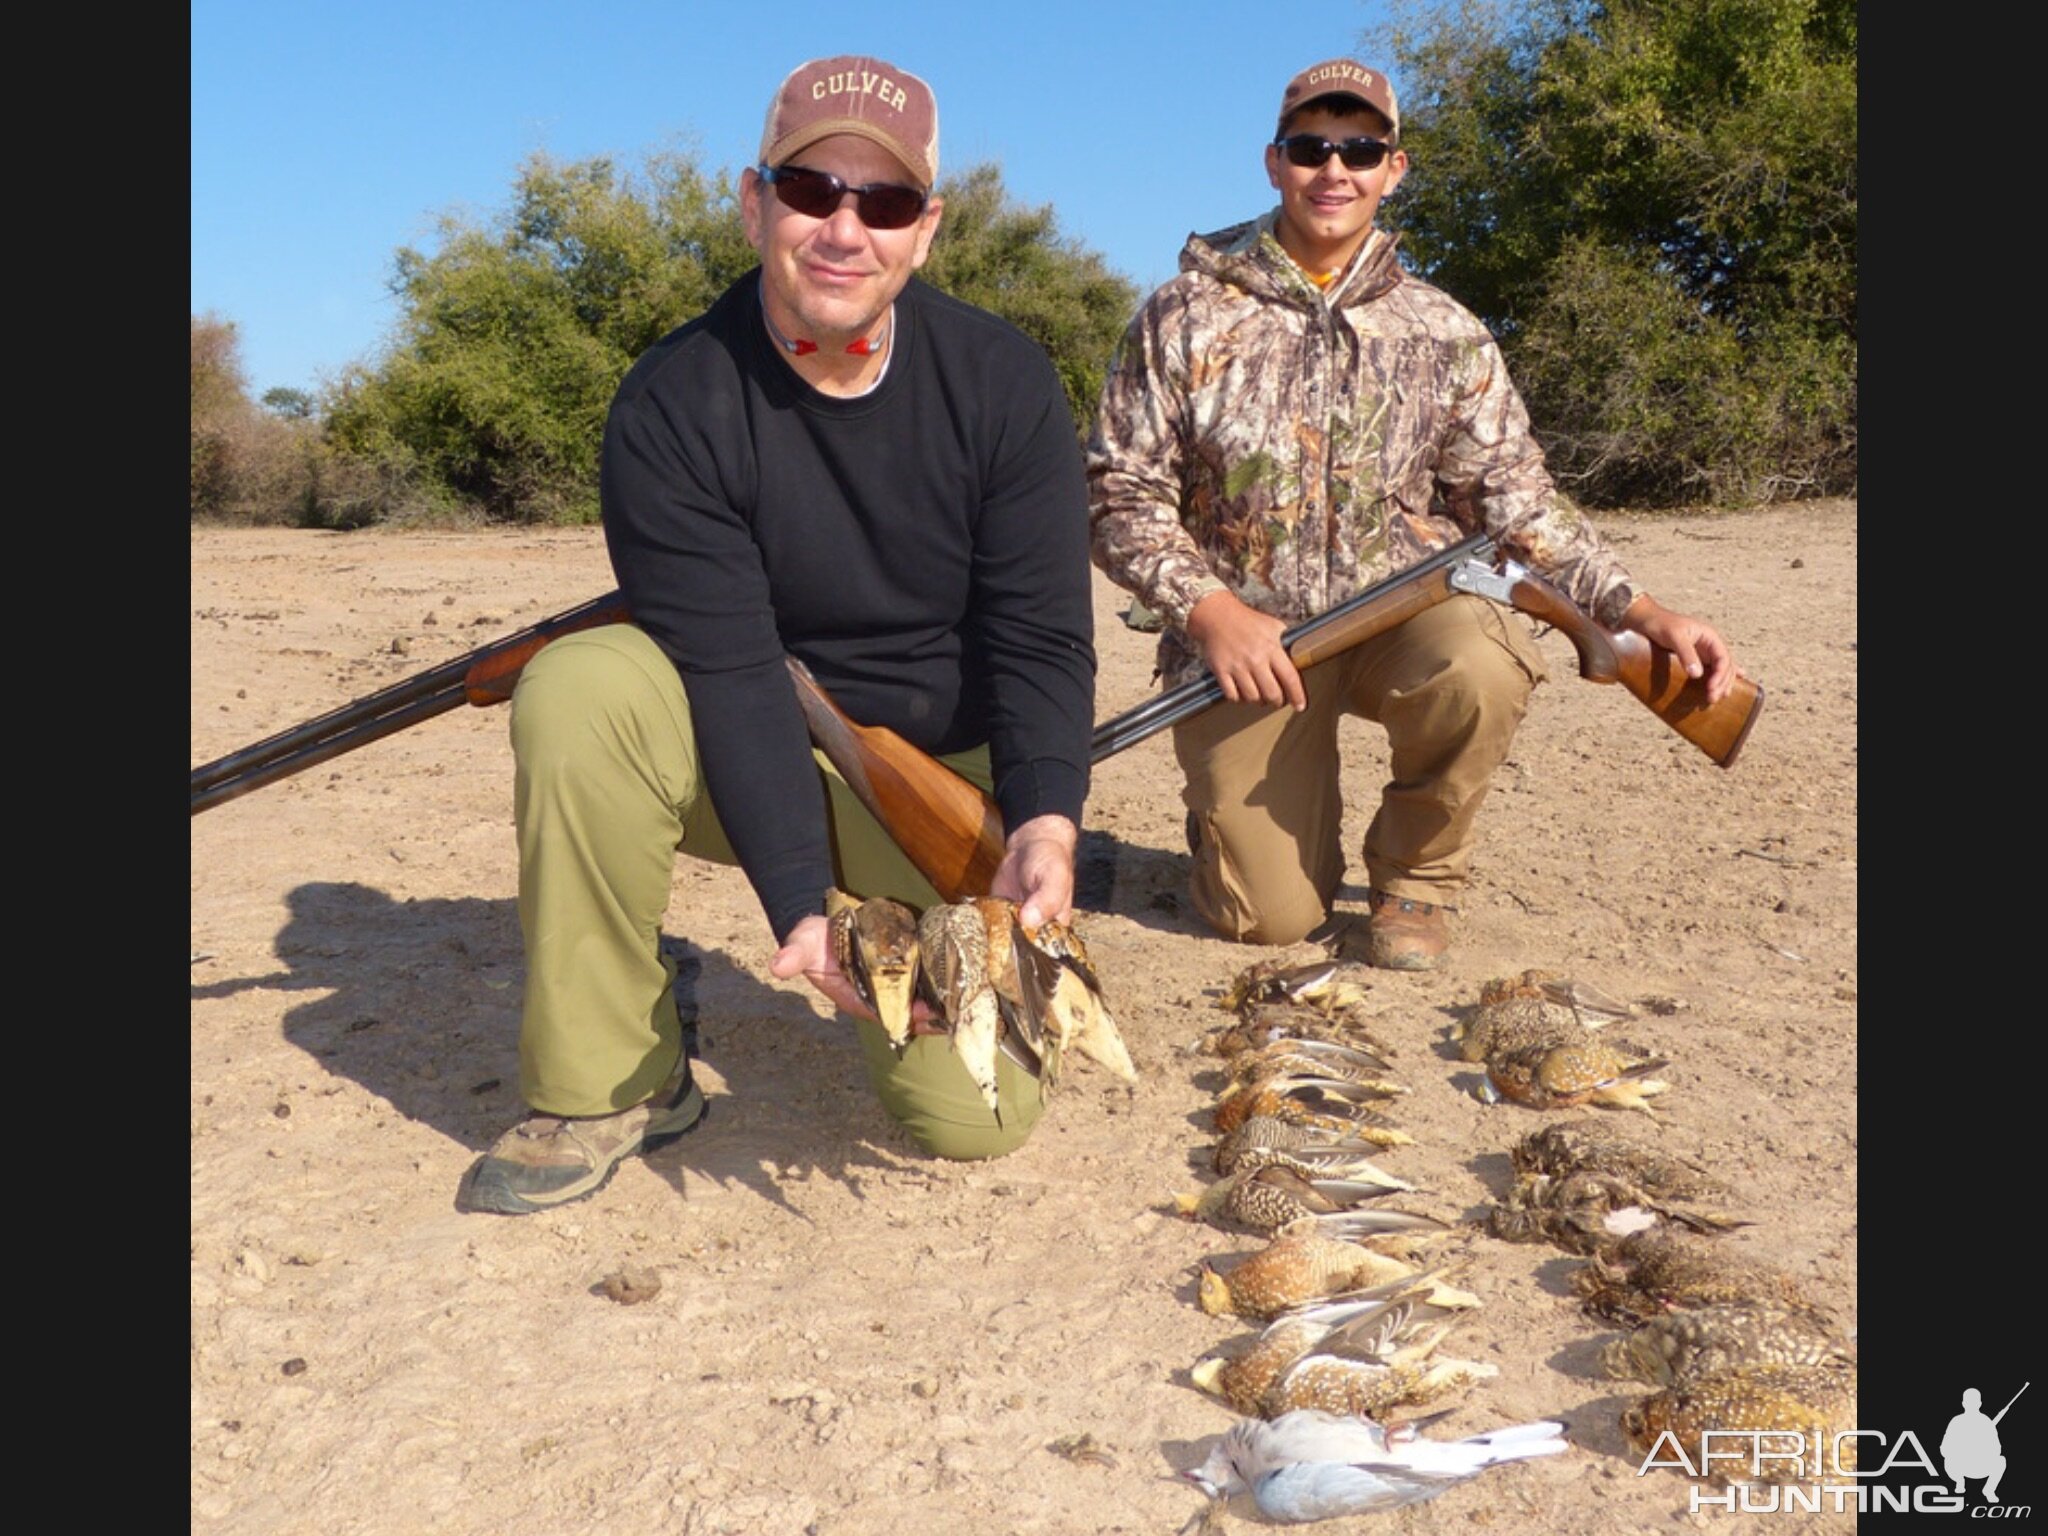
{"x":1517,"y":1441}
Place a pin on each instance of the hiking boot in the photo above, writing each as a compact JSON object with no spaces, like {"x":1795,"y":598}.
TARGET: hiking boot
{"x":1406,"y":935}
{"x":549,"y":1160}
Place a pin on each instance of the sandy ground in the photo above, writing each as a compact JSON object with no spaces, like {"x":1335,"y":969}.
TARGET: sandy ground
{"x":849,"y":1339}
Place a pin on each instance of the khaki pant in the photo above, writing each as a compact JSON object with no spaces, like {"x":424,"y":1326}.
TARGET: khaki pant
{"x":607,"y":789}
{"x":1450,"y":685}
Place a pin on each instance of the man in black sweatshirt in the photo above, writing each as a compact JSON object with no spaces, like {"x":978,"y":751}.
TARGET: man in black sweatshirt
{"x":839,"y":463}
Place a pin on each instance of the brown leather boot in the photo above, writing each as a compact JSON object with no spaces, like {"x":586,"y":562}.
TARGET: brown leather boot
{"x":1405,"y":935}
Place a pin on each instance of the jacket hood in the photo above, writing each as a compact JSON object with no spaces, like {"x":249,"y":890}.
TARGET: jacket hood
{"x":1249,"y":256}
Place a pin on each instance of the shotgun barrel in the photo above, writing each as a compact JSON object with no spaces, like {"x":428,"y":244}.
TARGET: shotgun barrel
{"x":2009,"y":1402}
{"x":1197,"y":694}
{"x":482,"y":676}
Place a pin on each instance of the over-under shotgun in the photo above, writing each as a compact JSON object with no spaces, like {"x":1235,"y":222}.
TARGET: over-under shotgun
{"x":1648,"y":672}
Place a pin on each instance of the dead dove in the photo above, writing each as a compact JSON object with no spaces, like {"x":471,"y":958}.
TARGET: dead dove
{"x":1309,"y":1465}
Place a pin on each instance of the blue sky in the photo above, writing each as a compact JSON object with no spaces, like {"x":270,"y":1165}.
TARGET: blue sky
{"x":325,"y":136}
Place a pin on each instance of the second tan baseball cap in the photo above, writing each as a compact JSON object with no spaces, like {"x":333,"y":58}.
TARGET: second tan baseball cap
{"x":1343,"y":77}
{"x":855,"y":94}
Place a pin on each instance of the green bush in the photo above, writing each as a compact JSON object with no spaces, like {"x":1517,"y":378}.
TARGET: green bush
{"x":1012,"y":260}
{"x":1654,"y":207}
{"x":514,"y":334}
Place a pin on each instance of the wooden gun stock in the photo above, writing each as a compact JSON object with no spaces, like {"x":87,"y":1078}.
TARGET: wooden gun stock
{"x":945,"y":825}
{"x":1372,"y":613}
{"x":1598,"y":662}
{"x":1648,"y":671}
{"x":1653,"y":675}
{"x":491,"y":678}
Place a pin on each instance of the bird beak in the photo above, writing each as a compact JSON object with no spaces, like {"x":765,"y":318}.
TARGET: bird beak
{"x":894,"y":991}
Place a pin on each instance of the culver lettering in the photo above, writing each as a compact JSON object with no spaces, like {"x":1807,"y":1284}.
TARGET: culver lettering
{"x":864,"y":83}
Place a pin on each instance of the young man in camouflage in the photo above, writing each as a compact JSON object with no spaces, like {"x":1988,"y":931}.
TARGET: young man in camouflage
{"x":1291,"y":419}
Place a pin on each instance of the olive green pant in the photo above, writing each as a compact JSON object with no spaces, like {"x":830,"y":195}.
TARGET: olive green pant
{"x":1449,"y":685}
{"x":607,"y":789}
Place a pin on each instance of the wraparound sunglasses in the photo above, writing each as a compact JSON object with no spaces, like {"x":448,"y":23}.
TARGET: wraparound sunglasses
{"x":1311,"y":151}
{"x":820,"y":194}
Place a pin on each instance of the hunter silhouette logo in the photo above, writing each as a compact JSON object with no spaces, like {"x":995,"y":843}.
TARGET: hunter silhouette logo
{"x":1970,"y":1448}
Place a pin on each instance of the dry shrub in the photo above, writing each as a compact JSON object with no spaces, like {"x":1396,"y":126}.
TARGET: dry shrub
{"x":258,"y":469}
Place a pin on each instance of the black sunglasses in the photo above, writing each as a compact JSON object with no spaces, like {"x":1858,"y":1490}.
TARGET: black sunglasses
{"x":820,"y":194}
{"x":1311,"y":151}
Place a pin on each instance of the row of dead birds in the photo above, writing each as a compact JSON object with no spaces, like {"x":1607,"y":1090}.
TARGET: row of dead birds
{"x":1352,"y":1286}
{"x":1730,"y":1344}
{"x":997,"y":987}
{"x":1355,"y":1309}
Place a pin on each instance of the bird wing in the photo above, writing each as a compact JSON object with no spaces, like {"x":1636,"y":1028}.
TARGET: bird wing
{"x":1352,"y":1187}
{"x":1356,"y":1225}
{"x":1027,"y":1037}
{"x":1305,"y":1434}
{"x":953,"y":945}
{"x":1320,"y":1490}
{"x":1075,"y":1000}
{"x":1593,"y":1006}
{"x":1339,"y":1054}
{"x":1368,"y":1340}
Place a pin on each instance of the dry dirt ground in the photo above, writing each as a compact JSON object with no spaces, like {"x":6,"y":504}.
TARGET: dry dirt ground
{"x":849,"y":1339}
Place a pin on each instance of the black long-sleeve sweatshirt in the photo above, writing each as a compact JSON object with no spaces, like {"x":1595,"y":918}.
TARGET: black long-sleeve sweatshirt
{"x":923,"y":549}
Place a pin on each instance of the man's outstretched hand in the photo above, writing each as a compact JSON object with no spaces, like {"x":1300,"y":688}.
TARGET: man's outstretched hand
{"x":808,"y":953}
{"x":1037,"y":871}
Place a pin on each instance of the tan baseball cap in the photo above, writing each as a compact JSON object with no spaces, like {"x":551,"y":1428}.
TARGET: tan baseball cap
{"x":859,"y":95}
{"x":1343,"y":77}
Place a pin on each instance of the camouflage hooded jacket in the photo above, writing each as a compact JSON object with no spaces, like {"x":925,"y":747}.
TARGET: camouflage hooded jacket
{"x":1296,"y":446}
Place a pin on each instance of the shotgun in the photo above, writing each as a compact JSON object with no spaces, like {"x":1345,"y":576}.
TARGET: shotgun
{"x":953,"y":834}
{"x":950,"y":828}
{"x":1648,"y":672}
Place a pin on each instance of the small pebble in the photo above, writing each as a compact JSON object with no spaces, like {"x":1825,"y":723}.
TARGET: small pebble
{"x":631,"y":1285}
